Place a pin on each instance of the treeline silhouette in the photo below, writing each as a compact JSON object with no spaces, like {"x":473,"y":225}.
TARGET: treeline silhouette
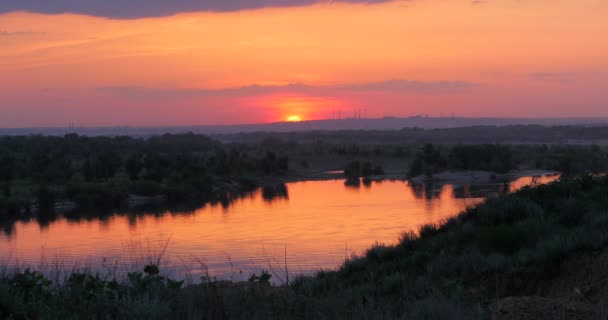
{"x":566,"y":159}
{"x":362,"y":169}
{"x":488,"y":157}
{"x":43,"y":173}
{"x":511,"y":134}
{"x":270,"y":193}
{"x":101,"y":172}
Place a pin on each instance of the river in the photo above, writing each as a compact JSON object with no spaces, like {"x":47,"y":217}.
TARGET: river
{"x":294,"y":228}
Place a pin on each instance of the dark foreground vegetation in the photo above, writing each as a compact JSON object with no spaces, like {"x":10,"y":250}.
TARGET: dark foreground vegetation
{"x":540,"y":253}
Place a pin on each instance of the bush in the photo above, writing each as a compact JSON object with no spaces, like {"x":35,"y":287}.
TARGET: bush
{"x":97,"y":196}
{"x":146,"y":188}
{"x":380,"y":253}
{"x":353,"y":170}
{"x":506,"y":210}
{"x":571,"y":211}
{"x":506,"y":239}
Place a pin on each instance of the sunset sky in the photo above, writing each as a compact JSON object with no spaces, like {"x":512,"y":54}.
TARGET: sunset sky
{"x":188,"y":62}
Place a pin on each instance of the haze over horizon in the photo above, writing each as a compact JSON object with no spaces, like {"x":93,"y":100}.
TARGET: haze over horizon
{"x":326,"y":125}
{"x":154,"y":63}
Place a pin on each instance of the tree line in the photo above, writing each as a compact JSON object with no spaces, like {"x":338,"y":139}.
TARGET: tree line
{"x":566,"y":159}
{"x":174,"y":165}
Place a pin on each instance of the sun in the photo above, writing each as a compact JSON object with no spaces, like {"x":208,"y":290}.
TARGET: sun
{"x":294,"y":118}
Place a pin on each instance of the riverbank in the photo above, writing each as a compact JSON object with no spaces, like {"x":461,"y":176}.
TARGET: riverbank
{"x":537,"y":253}
{"x":479,"y":177}
{"x":106,"y":197}
{"x":118,"y":194}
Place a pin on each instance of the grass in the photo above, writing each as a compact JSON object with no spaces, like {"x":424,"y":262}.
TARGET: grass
{"x":506,"y":246}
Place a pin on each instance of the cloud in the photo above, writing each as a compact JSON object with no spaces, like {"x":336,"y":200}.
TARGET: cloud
{"x":162,"y":93}
{"x":120,"y":9}
{"x":5,"y":33}
{"x":559,"y":77}
{"x":411,"y":86}
{"x":392,"y":86}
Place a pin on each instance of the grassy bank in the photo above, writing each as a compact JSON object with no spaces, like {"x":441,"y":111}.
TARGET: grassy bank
{"x":517,"y":245}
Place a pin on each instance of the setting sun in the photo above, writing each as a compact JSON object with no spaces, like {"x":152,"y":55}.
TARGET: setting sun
{"x":294,"y":118}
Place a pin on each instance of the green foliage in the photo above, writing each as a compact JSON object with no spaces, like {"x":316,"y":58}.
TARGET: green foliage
{"x":508,"y":209}
{"x":133,"y":166}
{"x":506,"y":239}
{"x":428,"y":230}
{"x":353,"y":169}
{"x":102,"y":172}
{"x":487,"y":157}
{"x":358,"y":169}
{"x":145,"y":296}
{"x":428,"y":161}
{"x":45,"y":198}
{"x":30,"y":284}
{"x":7,"y":167}
{"x":6,"y":189}
{"x":99,"y":196}
{"x":271,"y":164}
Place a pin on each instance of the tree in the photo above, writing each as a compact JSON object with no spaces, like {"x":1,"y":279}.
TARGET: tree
{"x":108,"y":164}
{"x":7,"y":189}
{"x":45,"y":198}
{"x":87,"y":170}
{"x":133,"y":166}
{"x":353,"y":170}
{"x":7,"y":167}
{"x":367,"y":169}
{"x":378,"y":170}
{"x":428,"y":161}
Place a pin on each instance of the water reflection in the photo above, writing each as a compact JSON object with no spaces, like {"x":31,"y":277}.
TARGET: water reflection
{"x":318,"y":223}
{"x":433,"y":189}
{"x":353,"y":183}
{"x":224,"y":200}
{"x":275,"y":192}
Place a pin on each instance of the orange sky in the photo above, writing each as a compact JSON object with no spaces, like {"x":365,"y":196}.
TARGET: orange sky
{"x":495,"y":58}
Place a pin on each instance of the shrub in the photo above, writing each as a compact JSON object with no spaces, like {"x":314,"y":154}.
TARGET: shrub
{"x":506,"y":239}
{"x":380,"y":252}
{"x":428,"y":230}
{"x":263,"y":279}
{"x":571,"y":211}
{"x":507,"y":210}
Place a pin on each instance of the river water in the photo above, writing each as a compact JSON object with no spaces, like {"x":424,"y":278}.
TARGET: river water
{"x":299,"y":227}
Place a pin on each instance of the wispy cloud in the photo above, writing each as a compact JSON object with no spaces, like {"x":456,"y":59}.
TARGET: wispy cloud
{"x":393,"y":86}
{"x":478,"y":2}
{"x":560,"y":77}
{"x":6,"y":33}
{"x":411,"y":86}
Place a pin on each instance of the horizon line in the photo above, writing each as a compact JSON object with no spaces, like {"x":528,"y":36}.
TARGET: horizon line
{"x":296,"y":123}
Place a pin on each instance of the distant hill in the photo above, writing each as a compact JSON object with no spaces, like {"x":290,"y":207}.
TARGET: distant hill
{"x":315,"y":125}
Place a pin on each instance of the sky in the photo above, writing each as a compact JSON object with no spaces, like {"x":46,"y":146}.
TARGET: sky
{"x":197,"y":62}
